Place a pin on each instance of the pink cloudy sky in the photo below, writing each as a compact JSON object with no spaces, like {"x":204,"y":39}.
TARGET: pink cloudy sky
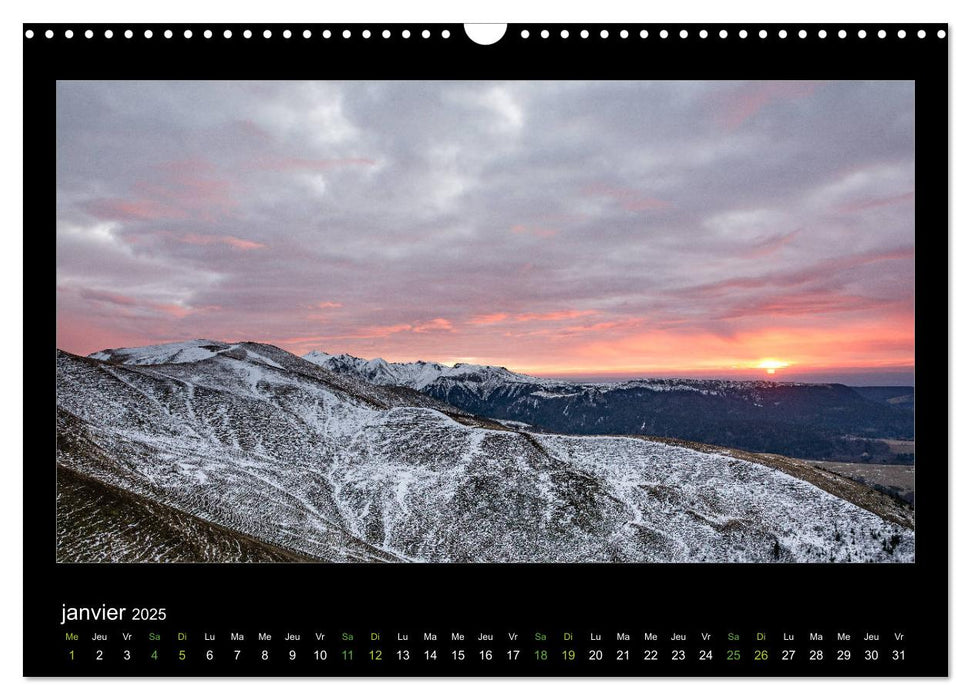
{"x":594,"y":230}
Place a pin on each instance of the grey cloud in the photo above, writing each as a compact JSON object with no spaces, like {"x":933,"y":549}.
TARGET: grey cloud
{"x":408,"y":201}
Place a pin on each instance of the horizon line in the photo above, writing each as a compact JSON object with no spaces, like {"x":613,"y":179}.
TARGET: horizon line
{"x":788,"y":375}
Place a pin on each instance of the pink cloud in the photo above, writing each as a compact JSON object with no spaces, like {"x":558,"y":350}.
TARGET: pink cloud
{"x":874,"y":203}
{"x":240,"y":243}
{"x":184,"y":189}
{"x":802,"y":304}
{"x":132,"y":210}
{"x":197,"y":197}
{"x":108,"y":297}
{"x":488,"y":319}
{"x":738,"y":105}
{"x":131,"y":306}
{"x":231,"y":241}
{"x":814,"y":273}
{"x":436,"y":324}
{"x":327,"y":305}
{"x":627,"y":199}
{"x":554,"y":315}
{"x":494,"y":318}
{"x":382,"y":331}
{"x":772,"y":244}
{"x":643,"y":204}
{"x":173,"y":310}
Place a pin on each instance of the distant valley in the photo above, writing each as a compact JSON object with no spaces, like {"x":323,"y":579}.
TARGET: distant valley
{"x":810,"y":421}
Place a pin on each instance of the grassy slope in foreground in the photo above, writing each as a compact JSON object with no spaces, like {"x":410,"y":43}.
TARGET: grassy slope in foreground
{"x":98,"y":522}
{"x":856,"y":493}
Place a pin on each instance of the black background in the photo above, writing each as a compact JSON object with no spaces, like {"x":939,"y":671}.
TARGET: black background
{"x":417,"y":598}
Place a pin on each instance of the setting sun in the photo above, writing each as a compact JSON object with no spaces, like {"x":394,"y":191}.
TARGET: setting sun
{"x":770,"y":366}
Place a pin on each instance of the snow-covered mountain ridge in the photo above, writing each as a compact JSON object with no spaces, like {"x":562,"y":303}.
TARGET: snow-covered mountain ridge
{"x":419,"y":375}
{"x":260,"y":442}
{"x":811,"y":421}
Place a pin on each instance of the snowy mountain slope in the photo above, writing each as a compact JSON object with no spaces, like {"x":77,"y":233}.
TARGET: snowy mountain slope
{"x":188,"y":351}
{"x":812,"y":421}
{"x":276,"y":449}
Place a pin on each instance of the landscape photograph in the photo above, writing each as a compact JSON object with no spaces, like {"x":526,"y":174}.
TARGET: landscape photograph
{"x":585,"y":322}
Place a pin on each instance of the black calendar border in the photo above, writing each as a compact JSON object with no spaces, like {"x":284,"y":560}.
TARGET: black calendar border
{"x":746,"y":597}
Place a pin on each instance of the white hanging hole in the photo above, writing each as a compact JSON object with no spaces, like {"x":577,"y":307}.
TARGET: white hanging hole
{"x":882,"y":34}
{"x":29,"y":34}
{"x":742,"y":34}
{"x":485,"y":34}
{"x":763,"y":34}
{"x":148,"y":33}
{"x":207,"y":34}
{"x":545,"y":34}
{"x":604,"y":33}
{"x":267,"y":33}
{"x":624,"y":34}
{"x":386,"y":34}
{"x":405,"y":34}
{"x":941,"y":33}
{"x":703,"y":33}
{"x":902,"y":34}
{"x":723,"y":34}
{"x":68,"y":34}
{"x":88,"y":34}
{"x":227,"y":34}
{"x":49,"y":34}
{"x":346,"y":34}
{"x":366,"y":34}
{"x":524,"y":34}
{"x":564,"y":34}
{"x":783,"y":33}
{"x":842,"y":34}
{"x":187,"y":33}
{"x":861,"y":33}
{"x":109,"y":33}
{"x":446,"y":34}
{"x":167,"y":34}
{"x":921,"y":34}
{"x":663,"y":34}
{"x":803,"y":33}
{"x":822,"y":34}
{"x":425,"y":34}
{"x":584,"y":34}
{"x":326,"y":34}
{"x":247,"y":34}
{"x":287,"y":34}
{"x":683,"y":34}
{"x":129,"y":33}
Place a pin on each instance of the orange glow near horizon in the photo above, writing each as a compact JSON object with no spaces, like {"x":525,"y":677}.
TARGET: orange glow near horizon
{"x":770,"y":366}
{"x":877,"y":345}
{"x":567,"y":343}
